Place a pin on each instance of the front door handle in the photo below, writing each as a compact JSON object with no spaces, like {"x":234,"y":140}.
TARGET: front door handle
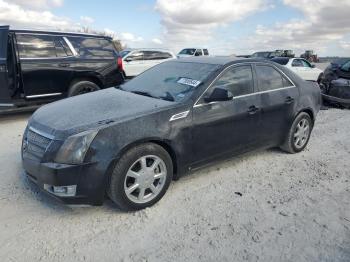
{"x":289,"y":100}
{"x":64,"y":64}
{"x":253,"y":110}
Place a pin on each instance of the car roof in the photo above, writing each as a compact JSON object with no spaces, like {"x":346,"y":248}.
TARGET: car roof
{"x":221,"y":60}
{"x":27,"y":31}
{"x":146,"y":49}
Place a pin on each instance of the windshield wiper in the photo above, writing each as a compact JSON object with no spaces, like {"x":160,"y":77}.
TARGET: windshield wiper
{"x":144,"y":93}
{"x":167,"y":97}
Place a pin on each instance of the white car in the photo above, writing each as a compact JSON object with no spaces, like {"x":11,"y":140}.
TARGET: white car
{"x":301,"y":67}
{"x":136,"y":61}
{"x":188,"y":52}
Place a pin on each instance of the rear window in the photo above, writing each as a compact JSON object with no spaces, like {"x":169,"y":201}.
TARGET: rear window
{"x":205,"y":51}
{"x":281,"y":60}
{"x":156,"y":55}
{"x":93,"y":47}
{"x":62,"y":49}
{"x":35,"y":46}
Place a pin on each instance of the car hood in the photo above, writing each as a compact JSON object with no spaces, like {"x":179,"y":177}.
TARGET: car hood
{"x":94,"y":110}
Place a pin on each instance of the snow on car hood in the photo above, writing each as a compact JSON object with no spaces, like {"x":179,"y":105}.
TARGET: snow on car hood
{"x":92,"y":110}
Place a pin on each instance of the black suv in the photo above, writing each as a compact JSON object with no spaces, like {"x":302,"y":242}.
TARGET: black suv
{"x":38,"y":67}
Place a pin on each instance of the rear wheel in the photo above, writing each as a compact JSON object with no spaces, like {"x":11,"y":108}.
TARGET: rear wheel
{"x":82,"y":87}
{"x":141,"y":177}
{"x":299,"y":134}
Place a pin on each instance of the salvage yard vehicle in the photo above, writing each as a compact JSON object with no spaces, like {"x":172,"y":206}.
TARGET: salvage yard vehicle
{"x":301,"y":67}
{"x":136,"y":61}
{"x":188,"y":52}
{"x":335,"y":83}
{"x":39,"y":66}
{"x":131,"y":142}
{"x":310,"y":56}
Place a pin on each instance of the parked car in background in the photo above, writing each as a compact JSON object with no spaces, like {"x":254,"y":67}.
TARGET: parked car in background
{"x":188,"y":52}
{"x":177,"y":116}
{"x":41,"y":66}
{"x":136,"y":61}
{"x":265,"y":54}
{"x":335,"y":83}
{"x":301,"y":67}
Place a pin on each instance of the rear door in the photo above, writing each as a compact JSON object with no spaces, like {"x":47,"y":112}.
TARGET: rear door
{"x":39,"y":65}
{"x":4,"y":91}
{"x":278,"y":98}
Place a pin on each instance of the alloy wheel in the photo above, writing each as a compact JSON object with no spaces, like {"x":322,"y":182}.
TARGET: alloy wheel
{"x":301,"y":134}
{"x":145,"y":179}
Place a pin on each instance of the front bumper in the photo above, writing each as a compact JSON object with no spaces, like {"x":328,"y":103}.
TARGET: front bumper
{"x":338,"y":100}
{"x":48,"y":175}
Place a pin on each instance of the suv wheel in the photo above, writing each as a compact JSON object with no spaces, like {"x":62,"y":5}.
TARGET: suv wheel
{"x":141,"y":177}
{"x":82,"y":87}
{"x":299,"y":134}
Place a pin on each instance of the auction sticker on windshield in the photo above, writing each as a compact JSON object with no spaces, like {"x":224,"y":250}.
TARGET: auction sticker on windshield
{"x":188,"y":81}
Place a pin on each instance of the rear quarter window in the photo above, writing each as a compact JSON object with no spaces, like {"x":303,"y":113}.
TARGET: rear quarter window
{"x":93,"y":47}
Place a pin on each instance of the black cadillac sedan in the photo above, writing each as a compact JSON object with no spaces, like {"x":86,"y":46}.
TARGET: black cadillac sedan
{"x":130,"y":142}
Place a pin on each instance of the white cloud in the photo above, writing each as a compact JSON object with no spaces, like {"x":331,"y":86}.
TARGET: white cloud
{"x":157,"y":41}
{"x":129,"y":37}
{"x":193,"y":21}
{"x":17,"y":16}
{"x":87,"y":20}
{"x":325,"y":22}
{"x":38,"y":4}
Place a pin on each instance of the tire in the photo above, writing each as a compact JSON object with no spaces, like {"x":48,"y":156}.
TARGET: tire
{"x":298,"y":131}
{"x":319,"y":79}
{"x":82,"y":87}
{"x":132,"y":170}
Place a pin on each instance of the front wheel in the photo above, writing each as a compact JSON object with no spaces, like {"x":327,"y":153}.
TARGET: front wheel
{"x":141,"y":177}
{"x":299,"y":134}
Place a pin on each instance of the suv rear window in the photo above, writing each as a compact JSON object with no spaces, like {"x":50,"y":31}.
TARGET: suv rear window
{"x":93,"y":47}
{"x":35,"y":46}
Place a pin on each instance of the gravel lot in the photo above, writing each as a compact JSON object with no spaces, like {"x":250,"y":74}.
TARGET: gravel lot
{"x":263,"y":206}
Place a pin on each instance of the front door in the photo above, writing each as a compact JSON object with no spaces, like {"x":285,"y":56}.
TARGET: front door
{"x":227,"y":126}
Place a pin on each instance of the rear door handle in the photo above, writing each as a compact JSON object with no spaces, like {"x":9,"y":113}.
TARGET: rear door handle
{"x":253,"y":110}
{"x":64,"y":64}
{"x":289,"y":100}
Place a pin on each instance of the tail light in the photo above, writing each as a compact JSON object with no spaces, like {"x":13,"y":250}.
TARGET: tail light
{"x":120,"y":64}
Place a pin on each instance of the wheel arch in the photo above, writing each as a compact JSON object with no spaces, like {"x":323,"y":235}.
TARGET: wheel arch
{"x":309,"y":111}
{"x":165,"y":144}
{"x":92,"y":78}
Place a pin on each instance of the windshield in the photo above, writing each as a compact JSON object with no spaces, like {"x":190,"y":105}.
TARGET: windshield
{"x":188,"y":51}
{"x":261,"y":54}
{"x":124,"y":53}
{"x":172,"y":81}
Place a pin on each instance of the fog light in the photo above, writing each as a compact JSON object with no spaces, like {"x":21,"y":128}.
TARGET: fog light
{"x":62,"y":191}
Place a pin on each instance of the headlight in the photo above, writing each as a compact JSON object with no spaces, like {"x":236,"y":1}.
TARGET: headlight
{"x":75,"y":147}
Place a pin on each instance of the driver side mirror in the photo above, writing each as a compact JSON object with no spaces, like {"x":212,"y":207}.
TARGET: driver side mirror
{"x":128,"y":59}
{"x":219,"y":94}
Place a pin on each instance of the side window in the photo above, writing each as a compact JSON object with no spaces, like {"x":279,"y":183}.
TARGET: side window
{"x":135,"y":56}
{"x":90,"y":47}
{"x":297,"y":63}
{"x":198,"y":52}
{"x":346,"y":67}
{"x":62,"y":49}
{"x":269,"y":78}
{"x":35,"y":46}
{"x":205,"y":51}
{"x":238,"y":80}
{"x":156,"y":55}
{"x":306,"y":64}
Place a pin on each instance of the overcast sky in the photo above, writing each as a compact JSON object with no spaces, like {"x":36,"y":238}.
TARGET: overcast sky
{"x":224,"y":26}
